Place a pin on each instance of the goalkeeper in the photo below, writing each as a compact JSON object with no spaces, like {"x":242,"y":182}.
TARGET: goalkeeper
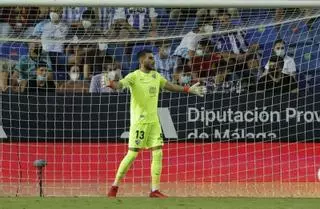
{"x":145,"y":130}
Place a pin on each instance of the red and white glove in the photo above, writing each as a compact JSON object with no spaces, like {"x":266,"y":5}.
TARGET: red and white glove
{"x":196,"y":89}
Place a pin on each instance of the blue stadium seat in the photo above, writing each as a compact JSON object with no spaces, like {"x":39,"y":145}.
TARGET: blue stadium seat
{"x":294,"y":32}
{"x":314,"y":32}
{"x":13,"y":51}
{"x":189,"y":25}
{"x":307,"y":57}
{"x":116,"y":50}
{"x":264,"y":36}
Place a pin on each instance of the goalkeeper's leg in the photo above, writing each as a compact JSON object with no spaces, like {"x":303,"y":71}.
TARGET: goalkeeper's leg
{"x":156,"y":144}
{"x":156,"y":168}
{"x":122,"y":170}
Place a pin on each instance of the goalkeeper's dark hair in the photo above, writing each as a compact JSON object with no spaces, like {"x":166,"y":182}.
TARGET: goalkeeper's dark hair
{"x":143,"y":53}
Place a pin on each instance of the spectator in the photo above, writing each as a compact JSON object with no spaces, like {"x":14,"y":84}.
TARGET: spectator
{"x":224,"y":79}
{"x":41,"y":83}
{"x":205,"y":17}
{"x":54,"y":32}
{"x":88,"y":30}
{"x":74,"y":84}
{"x":232,"y":44}
{"x":6,"y":21}
{"x":43,"y":19}
{"x":142,"y":19}
{"x":120,"y":27}
{"x":204,"y":59}
{"x":289,"y":66}
{"x":26,"y":20}
{"x":74,"y":55}
{"x":275,"y":81}
{"x":15,"y":22}
{"x":111,"y":71}
{"x":188,"y":45}
{"x":5,"y":70}
{"x":26,"y":66}
{"x":184,"y":76}
{"x":72,"y":15}
{"x":109,"y":16}
{"x":250,"y":72}
{"x":164,"y":62}
{"x":279,"y":14}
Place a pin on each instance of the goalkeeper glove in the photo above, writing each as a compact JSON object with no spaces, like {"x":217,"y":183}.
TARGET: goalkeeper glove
{"x":196,"y":89}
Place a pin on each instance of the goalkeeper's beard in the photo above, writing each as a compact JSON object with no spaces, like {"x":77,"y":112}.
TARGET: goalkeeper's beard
{"x":148,"y":67}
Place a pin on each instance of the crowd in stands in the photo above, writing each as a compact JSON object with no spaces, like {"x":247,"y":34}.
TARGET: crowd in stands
{"x":59,"y":49}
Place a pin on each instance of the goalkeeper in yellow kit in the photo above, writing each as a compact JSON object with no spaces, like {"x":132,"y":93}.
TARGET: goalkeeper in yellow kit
{"x":145,"y":130}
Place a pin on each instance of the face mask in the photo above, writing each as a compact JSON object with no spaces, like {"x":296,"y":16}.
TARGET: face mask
{"x":112,"y":75}
{"x":18,"y":25}
{"x":185,"y":79}
{"x":199,"y":52}
{"x":166,"y":52}
{"x":208,"y":29}
{"x":74,"y":76}
{"x":41,"y":78}
{"x":280,"y":52}
{"x":54,"y":16}
{"x":103,"y":46}
{"x":86,"y":24}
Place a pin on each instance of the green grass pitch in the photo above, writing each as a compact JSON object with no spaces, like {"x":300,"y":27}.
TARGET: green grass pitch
{"x":147,"y":203}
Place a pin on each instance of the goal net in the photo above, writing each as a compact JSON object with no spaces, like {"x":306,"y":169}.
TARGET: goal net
{"x":255,"y":133}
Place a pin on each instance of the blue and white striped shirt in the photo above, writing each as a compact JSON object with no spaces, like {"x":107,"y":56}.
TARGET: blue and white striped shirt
{"x":140,"y":18}
{"x":165,"y":66}
{"x":39,"y":28}
{"x":72,"y":14}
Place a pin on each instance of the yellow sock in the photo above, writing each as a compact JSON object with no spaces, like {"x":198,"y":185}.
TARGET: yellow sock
{"x":156,"y":168}
{"x":124,"y":166}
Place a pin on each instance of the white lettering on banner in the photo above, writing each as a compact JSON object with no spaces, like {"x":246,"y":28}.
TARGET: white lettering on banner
{"x":230,"y":135}
{"x":196,"y":112}
{"x":302,"y":116}
{"x":257,"y":115}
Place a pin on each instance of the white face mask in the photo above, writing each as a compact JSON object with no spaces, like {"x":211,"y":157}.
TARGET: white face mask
{"x":86,"y":24}
{"x":280,"y":52}
{"x":113,"y":75}
{"x":166,"y":52}
{"x":185,"y":79}
{"x":18,"y":25}
{"x":103,"y":46}
{"x":208,"y":29}
{"x":41,"y":78}
{"x":74,"y":76}
{"x":54,"y":16}
{"x":199,"y":52}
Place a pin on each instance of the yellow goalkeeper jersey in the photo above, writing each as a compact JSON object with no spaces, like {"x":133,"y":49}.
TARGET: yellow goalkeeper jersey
{"x":144,"y":88}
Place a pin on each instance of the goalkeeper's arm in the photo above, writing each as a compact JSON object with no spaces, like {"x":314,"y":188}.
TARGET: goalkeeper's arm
{"x":194,"y":89}
{"x":114,"y":84}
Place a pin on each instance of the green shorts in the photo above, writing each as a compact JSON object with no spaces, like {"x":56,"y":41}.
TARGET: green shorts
{"x":145,"y":135}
